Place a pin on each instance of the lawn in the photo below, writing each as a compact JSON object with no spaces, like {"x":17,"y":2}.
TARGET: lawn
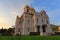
{"x":29,"y":37}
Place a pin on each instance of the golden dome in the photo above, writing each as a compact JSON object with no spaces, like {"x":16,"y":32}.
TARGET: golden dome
{"x":43,"y":11}
{"x":26,"y":6}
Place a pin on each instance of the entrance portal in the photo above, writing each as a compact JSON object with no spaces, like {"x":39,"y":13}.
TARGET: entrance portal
{"x":36,"y":33}
{"x":44,"y":28}
{"x":38,"y":28}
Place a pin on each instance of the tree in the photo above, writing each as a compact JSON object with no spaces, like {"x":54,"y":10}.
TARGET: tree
{"x":6,"y":32}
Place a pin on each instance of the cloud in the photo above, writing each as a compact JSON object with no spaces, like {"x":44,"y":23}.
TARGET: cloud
{"x":4,"y":22}
{"x":5,"y":26}
{"x":54,"y":16}
{"x":9,"y":9}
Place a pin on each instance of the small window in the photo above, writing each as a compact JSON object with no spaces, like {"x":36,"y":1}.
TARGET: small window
{"x":37,"y":20}
{"x":33,"y":28}
{"x":47,"y":21}
{"x":41,"y":14}
{"x":42,"y":21}
{"x":28,"y":21}
{"x":28,"y":29}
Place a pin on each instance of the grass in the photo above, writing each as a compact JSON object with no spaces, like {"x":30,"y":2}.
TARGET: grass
{"x":29,"y":37}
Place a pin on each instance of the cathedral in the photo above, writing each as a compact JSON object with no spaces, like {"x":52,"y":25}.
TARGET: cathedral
{"x":33,"y":23}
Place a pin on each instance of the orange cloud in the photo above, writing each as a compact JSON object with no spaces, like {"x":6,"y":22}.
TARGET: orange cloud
{"x":9,"y":12}
{"x":4,"y":22}
{"x":5,"y":26}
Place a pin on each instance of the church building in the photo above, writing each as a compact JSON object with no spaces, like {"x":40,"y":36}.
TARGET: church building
{"x":33,"y":23}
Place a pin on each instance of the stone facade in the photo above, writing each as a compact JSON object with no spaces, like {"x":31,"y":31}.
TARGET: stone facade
{"x":32,"y":21}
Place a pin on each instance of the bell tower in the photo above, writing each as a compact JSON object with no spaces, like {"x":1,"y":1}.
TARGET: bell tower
{"x":26,"y":8}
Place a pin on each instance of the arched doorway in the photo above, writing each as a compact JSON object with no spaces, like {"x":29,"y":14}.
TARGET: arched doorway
{"x":44,"y":27}
{"x":38,"y":28}
{"x":37,"y":32}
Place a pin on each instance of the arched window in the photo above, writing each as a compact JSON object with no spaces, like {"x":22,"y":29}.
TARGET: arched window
{"x":47,"y":21}
{"x":41,"y":14}
{"x":38,"y":28}
{"x":28,"y":29}
{"x":37,"y":20}
{"x":27,"y":10}
{"x":42,"y":21}
{"x":33,"y":28}
{"x":28,"y":21}
{"x":18,"y":29}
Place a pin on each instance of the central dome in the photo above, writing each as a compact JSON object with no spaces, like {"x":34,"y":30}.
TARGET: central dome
{"x":27,"y":6}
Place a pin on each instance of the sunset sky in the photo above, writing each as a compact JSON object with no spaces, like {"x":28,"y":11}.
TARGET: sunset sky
{"x":9,"y":9}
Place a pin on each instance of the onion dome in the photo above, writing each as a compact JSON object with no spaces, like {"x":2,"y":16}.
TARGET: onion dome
{"x":26,"y":6}
{"x":43,"y":12}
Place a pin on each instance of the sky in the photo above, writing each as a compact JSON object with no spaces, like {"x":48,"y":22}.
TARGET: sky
{"x":9,"y":9}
